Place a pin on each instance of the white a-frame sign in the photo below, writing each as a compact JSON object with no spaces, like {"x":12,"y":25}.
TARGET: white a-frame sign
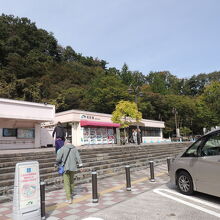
{"x":26,"y":198}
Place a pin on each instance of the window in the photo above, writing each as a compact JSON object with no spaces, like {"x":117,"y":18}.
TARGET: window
{"x":192,"y":151}
{"x":150,"y":132}
{"x":211,"y":146}
{"x":27,"y":133}
{"x":9,"y":132}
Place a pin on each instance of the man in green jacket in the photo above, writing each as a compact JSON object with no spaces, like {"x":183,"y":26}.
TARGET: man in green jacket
{"x":70,"y":167}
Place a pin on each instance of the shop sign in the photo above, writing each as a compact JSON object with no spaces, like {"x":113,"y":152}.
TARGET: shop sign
{"x":83,"y":116}
{"x":26,"y":198}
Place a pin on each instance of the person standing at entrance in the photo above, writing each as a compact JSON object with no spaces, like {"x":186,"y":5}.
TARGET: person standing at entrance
{"x":134,"y":135}
{"x":60,"y":136}
{"x":70,"y":154}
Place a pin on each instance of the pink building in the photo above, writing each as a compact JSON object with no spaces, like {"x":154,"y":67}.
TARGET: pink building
{"x":20,"y":123}
{"x":86,"y":128}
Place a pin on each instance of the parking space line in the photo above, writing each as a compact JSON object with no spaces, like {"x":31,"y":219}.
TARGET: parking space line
{"x":158,"y":191}
{"x":193,"y":199}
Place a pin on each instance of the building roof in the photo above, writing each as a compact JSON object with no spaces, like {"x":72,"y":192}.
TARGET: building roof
{"x":16,"y":109}
{"x":78,"y":115}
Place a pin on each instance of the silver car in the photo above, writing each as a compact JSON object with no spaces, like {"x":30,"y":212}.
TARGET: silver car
{"x":198,"y":168}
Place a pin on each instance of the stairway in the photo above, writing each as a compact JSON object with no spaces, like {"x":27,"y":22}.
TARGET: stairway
{"x":107,"y":161}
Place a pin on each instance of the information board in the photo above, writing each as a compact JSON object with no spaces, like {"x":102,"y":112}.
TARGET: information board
{"x":26,"y":199}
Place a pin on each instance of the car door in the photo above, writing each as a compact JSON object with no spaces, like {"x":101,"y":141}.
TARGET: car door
{"x":207,"y":165}
{"x":188,"y":161}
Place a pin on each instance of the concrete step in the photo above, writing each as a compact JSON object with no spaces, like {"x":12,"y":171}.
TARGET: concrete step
{"x":91,"y":161}
{"x":89,"y":158}
{"x":107,"y":162}
{"x":91,"y":151}
{"x":8,"y":179}
{"x":8,"y":173}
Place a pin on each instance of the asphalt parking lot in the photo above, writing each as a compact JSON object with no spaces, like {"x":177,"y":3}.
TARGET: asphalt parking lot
{"x":164,"y":202}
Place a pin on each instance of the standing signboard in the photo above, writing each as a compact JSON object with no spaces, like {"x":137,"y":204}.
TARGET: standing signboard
{"x":26,"y":198}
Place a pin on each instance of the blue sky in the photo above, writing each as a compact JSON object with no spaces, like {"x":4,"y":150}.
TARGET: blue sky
{"x":181,"y":36}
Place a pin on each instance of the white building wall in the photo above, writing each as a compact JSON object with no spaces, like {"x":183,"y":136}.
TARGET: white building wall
{"x":153,"y":124}
{"x":46,"y":137}
{"x":37,"y":138}
{"x":13,"y":142}
{"x":79,"y":133}
{"x":161,"y":133}
{"x":26,"y":115}
{"x":74,"y":134}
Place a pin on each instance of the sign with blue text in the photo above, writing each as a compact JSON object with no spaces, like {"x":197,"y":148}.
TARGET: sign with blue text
{"x":26,"y":198}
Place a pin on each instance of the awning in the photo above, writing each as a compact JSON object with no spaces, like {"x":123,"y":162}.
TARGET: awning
{"x":99,"y":124}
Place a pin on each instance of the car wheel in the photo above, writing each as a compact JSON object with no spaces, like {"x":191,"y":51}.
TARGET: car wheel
{"x":185,"y":183}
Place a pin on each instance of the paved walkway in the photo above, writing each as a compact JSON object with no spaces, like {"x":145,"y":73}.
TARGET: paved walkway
{"x":111,"y":190}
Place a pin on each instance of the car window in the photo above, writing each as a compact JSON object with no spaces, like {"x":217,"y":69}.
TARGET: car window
{"x":192,"y":151}
{"x":211,"y":146}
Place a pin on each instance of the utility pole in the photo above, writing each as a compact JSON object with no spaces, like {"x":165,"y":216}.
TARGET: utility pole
{"x":176,"y":123}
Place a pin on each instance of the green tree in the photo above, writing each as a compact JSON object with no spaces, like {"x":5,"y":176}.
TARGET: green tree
{"x":204,"y":117}
{"x":124,"y":114}
{"x":103,"y":94}
{"x":197,"y":83}
{"x":185,"y":131}
{"x":163,"y":82}
{"x":128,"y":77}
{"x":180,"y":111}
{"x":68,"y":99}
{"x":211,"y":97}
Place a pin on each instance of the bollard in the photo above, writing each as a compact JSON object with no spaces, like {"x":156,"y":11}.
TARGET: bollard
{"x":152,"y":171}
{"x":94,"y":187}
{"x":128,"y":178}
{"x":168,"y":164}
{"x":42,"y":199}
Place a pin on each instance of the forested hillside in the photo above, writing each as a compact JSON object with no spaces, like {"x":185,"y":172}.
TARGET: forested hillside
{"x":34,"y":67}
